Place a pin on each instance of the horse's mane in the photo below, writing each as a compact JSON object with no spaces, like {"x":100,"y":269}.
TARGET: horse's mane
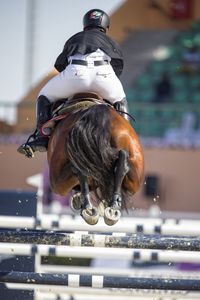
{"x":89,"y":147}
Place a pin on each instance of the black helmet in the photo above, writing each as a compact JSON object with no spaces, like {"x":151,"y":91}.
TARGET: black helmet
{"x":96,"y":18}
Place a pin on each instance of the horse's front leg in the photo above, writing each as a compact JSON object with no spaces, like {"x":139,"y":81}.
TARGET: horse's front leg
{"x":88,"y":212}
{"x":113,"y":212}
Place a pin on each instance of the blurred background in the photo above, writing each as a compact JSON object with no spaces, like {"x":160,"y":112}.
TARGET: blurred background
{"x":161,"y":45}
{"x":160,"y":40}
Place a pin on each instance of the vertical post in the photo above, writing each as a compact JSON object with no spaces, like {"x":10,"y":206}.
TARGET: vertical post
{"x":30,"y":40}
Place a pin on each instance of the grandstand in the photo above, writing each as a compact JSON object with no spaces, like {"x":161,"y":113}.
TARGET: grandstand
{"x":152,"y":118}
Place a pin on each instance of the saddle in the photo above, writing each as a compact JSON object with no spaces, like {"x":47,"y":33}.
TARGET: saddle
{"x":80,"y":101}
{"x":60,"y":110}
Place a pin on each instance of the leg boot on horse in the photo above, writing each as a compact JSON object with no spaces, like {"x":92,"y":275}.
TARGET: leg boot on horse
{"x":36,"y":141}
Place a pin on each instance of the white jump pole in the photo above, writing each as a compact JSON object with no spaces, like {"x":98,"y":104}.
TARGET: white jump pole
{"x":128,"y":225}
{"x":143,"y":255}
{"x":140,"y":294}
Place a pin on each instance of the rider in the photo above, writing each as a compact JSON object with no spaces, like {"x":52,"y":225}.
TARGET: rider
{"x":90,"y":62}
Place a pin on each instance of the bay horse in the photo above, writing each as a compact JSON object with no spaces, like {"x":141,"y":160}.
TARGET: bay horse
{"x":94,"y":150}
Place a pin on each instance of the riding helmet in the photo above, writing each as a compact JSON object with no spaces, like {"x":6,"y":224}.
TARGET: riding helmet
{"x":96,"y":18}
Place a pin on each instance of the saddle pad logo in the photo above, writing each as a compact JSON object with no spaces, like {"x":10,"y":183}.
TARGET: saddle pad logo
{"x":95,"y":15}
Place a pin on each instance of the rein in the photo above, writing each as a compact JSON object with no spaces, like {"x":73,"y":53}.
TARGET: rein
{"x":123,"y":112}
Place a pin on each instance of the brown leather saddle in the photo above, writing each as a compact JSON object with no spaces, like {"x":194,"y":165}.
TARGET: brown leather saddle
{"x":80,"y":101}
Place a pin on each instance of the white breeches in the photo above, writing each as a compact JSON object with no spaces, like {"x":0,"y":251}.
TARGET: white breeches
{"x":77,"y":78}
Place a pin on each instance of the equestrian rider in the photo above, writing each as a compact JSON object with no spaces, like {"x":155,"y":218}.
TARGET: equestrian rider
{"x":90,"y":62}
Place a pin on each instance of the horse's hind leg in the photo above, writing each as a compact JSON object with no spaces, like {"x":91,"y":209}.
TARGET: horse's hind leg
{"x":89,"y":213}
{"x":113,"y":212}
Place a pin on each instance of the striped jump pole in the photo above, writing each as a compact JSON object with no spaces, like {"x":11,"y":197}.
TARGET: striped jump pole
{"x":140,"y":255}
{"x":129,"y":225}
{"x":100,"y":240}
{"x":100,"y":281}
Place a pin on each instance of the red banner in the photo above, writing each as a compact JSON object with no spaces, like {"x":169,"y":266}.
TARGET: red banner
{"x":181,"y":9}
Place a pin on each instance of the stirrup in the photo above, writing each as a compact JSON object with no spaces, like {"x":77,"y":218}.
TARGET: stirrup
{"x":25,"y":148}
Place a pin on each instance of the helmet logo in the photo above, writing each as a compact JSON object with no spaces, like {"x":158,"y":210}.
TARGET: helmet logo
{"x":95,"y":15}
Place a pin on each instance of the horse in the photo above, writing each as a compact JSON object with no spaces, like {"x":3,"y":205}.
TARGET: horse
{"x":95,"y":152}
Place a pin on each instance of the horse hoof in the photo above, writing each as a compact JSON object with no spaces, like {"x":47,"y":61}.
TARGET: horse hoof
{"x":76,"y":201}
{"x":90,"y":215}
{"x":111,"y":216}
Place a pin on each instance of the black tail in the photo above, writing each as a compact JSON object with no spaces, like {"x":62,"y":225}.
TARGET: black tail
{"x":89,"y":148}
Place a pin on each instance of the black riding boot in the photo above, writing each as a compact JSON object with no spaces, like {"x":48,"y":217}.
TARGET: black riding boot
{"x":38,"y":142}
{"x":122,"y":108}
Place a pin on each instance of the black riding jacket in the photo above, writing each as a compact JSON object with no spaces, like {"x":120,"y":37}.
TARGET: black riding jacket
{"x":89,"y":41}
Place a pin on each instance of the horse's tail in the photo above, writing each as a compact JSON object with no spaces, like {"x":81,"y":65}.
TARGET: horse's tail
{"x":89,"y":148}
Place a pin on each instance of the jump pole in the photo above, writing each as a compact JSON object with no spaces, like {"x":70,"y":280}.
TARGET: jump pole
{"x":47,"y":296}
{"x":126,"y":271}
{"x":136,"y":294}
{"x":101,"y":240}
{"x":138,"y":255}
{"x":100,"y":281}
{"x":129,"y":225}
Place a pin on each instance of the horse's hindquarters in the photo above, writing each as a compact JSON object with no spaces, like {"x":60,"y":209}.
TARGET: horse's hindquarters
{"x":96,"y":149}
